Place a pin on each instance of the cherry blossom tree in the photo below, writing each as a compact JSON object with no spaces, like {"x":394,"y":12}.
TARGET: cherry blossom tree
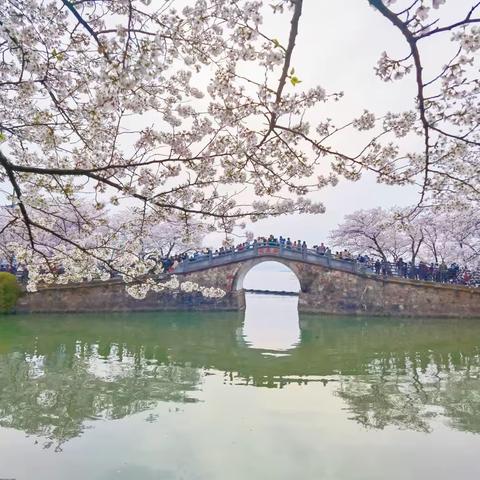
{"x":116,"y":241}
{"x":463,"y":233}
{"x":370,"y":231}
{"x":446,"y":93}
{"x":165,"y":239}
{"x":189,"y":110}
{"x":412,"y":231}
{"x":433,"y":235}
{"x":103,"y":98}
{"x":438,"y":235}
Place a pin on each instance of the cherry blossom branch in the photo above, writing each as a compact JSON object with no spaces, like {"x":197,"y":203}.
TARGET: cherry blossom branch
{"x":11,"y":176}
{"x":467,"y":20}
{"x":412,"y":42}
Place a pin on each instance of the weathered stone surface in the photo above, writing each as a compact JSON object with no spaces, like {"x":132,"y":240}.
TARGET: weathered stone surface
{"x":330,"y":291}
{"x":323,"y":290}
{"x":111,"y":296}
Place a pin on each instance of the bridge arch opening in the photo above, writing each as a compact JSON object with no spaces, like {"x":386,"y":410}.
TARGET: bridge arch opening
{"x":267,"y":275}
{"x":271,"y":322}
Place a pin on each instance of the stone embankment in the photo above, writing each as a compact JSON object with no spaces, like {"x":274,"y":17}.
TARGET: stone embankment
{"x":324,"y":289}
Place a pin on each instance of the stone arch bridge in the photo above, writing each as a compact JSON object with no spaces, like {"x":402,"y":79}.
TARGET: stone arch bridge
{"x":327,"y":285}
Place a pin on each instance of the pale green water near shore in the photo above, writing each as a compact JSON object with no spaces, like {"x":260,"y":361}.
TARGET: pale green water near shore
{"x":216,"y":396}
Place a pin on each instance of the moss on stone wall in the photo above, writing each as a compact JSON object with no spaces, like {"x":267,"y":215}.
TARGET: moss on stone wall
{"x":9,"y":292}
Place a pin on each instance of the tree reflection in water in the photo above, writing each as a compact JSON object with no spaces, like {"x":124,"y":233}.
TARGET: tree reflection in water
{"x":59,"y":373}
{"x":52,"y":395}
{"x":408,"y":394}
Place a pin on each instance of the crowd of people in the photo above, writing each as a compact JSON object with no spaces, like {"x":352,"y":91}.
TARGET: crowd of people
{"x":433,"y":272}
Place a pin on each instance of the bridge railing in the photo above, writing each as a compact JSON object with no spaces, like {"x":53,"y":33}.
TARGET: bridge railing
{"x":259,"y":249}
{"x":385,"y":269}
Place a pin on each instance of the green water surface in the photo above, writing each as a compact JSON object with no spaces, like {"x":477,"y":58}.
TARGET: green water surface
{"x":190,"y":396}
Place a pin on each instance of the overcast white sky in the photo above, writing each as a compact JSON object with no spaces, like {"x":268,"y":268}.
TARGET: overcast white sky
{"x":339,"y":44}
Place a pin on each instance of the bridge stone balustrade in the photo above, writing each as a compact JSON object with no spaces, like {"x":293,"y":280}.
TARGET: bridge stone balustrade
{"x":327,"y":286}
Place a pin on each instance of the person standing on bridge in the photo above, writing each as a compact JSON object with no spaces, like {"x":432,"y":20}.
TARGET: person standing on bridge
{"x":443,"y":272}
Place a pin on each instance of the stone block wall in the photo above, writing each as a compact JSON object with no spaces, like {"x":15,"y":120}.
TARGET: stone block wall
{"x":331,"y":291}
{"x":323,"y":290}
{"x":111,"y":296}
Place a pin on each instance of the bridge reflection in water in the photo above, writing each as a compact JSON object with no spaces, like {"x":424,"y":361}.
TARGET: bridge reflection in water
{"x":271,"y":321}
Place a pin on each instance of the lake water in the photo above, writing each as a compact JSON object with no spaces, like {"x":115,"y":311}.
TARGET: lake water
{"x":261,"y":395}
